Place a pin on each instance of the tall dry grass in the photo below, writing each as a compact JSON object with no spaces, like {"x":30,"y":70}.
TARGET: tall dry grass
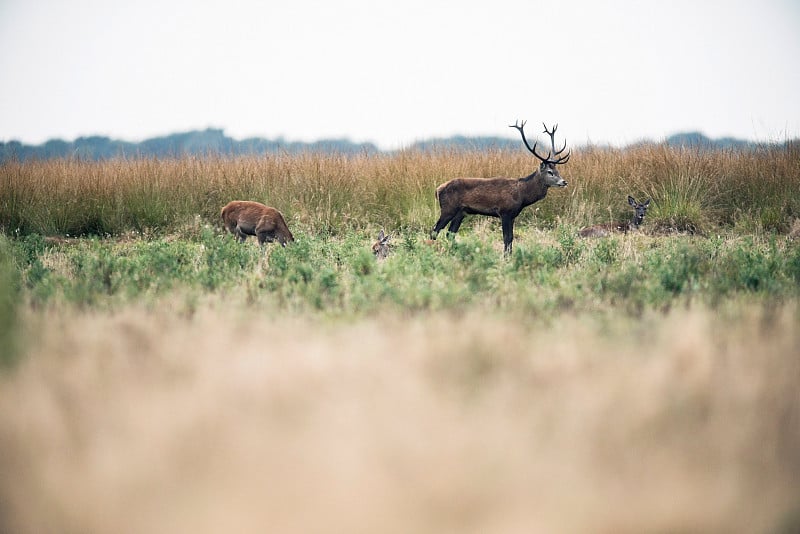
{"x":323,"y":192}
{"x":691,"y":190}
{"x":148,"y":422}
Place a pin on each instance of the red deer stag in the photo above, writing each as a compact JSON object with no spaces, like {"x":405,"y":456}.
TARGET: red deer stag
{"x":604,"y":229}
{"x":500,"y":197}
{"x":243,"y":218}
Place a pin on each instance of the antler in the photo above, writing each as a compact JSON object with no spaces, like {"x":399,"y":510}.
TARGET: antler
{"x":552,"y":134}
{"x":521,"y":128}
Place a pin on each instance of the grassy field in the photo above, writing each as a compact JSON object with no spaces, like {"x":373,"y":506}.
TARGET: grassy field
{"x":157,"y":376}
{"x":691,"y":191}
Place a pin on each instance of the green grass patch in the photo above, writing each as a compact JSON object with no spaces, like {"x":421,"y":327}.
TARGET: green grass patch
{"x":338,"y":275}
{"x":9,"y":304}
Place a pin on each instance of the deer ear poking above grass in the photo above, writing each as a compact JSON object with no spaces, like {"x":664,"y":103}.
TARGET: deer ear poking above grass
{"x":381,"y":247}
{"x":605,"y":229}
{"x":500,"y":197}
{"x":243,"y":218}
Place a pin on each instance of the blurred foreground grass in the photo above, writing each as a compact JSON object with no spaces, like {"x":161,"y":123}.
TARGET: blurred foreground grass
{"x":237,"y":418}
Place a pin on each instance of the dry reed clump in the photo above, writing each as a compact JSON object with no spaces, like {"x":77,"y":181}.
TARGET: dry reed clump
{"x":691,"y":190}
{"x":146,"y":422}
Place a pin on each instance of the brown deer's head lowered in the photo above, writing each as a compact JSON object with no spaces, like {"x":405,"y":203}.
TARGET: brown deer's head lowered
{"x":500,"y":197}
{"x":243,"y":218}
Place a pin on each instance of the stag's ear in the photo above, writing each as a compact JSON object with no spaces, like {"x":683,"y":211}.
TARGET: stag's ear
{"x":646,"y":203}
{"x":631,"y":201}
{"x":381,"y":236}
{"x":543,"y":166}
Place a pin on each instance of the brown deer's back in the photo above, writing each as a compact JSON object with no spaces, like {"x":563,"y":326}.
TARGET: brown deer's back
{"x":605,"y":229}
{"x":246,"y":208}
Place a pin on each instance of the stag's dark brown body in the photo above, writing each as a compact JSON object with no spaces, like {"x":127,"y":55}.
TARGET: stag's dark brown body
{"x":495,"y":197}
{"x":504,"y":198}
{"x":243,"y":218}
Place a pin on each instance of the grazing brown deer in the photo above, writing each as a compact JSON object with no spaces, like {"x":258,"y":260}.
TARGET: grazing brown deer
{"x":243,"y":218}
{"x":381,"y":247}
{"x":605,"y":229}
{"x":500,"y":197}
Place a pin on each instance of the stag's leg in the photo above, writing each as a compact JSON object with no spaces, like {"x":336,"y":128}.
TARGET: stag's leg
{"x":508,"y":234}
{"x":445,"y":218}
{"x":455,"y":223}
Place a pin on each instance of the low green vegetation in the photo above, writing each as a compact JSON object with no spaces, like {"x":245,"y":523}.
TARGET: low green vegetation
{"x":550,"y":271}
{"x":9,"y":301}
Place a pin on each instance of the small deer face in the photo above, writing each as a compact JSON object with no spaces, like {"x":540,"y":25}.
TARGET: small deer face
{"x":381,"y":247}
{"x":639,"y":209}
{"x":551,"y":176}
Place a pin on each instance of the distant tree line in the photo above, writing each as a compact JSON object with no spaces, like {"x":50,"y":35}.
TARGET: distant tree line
{"x":698,"y":140}
{"x":199,"y":142}
{"x":214,"y":142}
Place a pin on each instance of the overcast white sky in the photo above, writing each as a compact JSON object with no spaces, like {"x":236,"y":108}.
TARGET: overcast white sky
{"x":397,"y":72}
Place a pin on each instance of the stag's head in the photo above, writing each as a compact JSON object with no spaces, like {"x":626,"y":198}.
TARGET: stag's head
{"x":547,"y":168}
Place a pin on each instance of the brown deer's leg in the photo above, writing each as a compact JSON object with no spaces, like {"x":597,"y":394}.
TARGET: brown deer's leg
{"x":455,"y":223}
{"x":239,"y":234}
{"x":441,"y":223}
{"x":508,"y":233}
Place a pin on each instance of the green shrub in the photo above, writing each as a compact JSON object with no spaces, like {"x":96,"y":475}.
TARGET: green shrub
{"x":793,"y":264}
{"x":680,"y":268}
{"x":748,"y":267}
{"x":606,"y":252}
{"x":9,"y":305}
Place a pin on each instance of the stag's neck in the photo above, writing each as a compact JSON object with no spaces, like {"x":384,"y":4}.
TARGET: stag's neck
{"x":534,"y":188}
